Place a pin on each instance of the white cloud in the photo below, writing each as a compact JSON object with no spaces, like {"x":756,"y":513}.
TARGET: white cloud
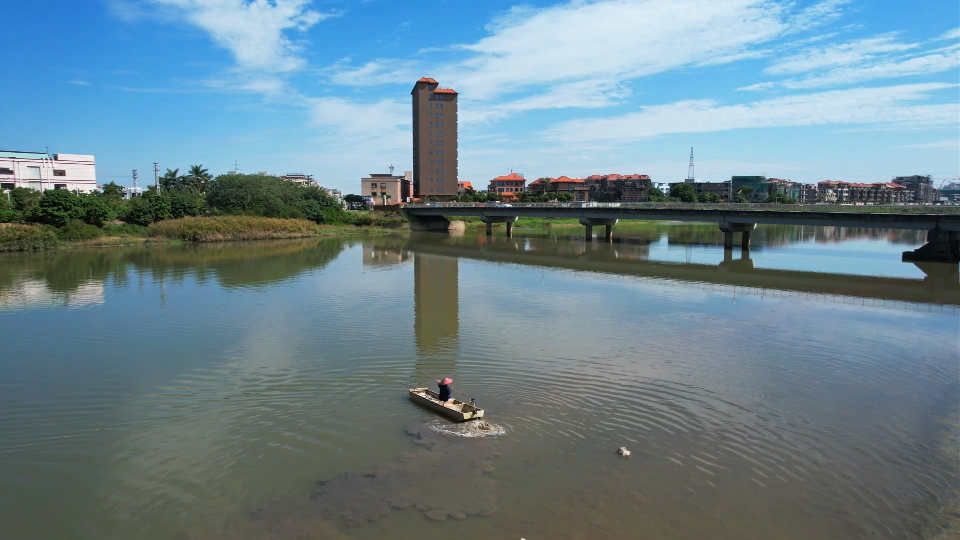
{"x":919,"y":65}
{"x":949,"y":143}
{"x":951,"y":34}
{"x":254,"y":31}
{"x":79,"y":82}
{"x":838,"y":55}
{"x":874,"y":58}
{"x":887,"y":105}
{"x":345,"y":124}
{"x":585,"y":94}
{"x":534,"y":50}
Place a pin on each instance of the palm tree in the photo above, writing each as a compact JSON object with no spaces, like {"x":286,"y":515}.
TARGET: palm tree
{"x":171,"y":180}
{"x":198,"y":178}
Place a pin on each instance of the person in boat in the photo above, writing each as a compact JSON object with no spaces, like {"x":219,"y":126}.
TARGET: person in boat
{"x":444,"y":393}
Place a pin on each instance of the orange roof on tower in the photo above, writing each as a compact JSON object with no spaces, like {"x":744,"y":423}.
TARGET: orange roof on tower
{"x":428,"y":80}
{"x":566,"y":179}
{"x":444,"y":91}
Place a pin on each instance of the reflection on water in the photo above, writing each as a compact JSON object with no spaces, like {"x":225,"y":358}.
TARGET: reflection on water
{"x":257,"y":390}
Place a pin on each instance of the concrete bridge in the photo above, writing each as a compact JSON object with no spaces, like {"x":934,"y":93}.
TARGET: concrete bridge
{"x":942,"y":223}
{"x":940,"y":287}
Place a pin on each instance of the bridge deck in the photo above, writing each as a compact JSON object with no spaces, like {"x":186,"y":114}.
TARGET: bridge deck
{"x":898,"y":217}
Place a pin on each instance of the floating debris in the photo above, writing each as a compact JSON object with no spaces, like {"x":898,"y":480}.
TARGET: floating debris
{"x":623,"y":451}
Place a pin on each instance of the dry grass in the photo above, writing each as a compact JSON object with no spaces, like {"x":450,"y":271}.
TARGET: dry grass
{"x":212,"y":229}
{"x":15,"y":237}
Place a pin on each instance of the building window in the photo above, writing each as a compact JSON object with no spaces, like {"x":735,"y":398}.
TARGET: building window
{"x":33,"y":173}
{"x":431,"y":143}
{"x":59,"y":186}
{"x":59,"y":172}
{"x":373,"y":193}
{"x":6,"y":170}
{"x":431,"y":115}
{"x":431,"y":152}
{"x":373,"y":184}
{"x":431,"y":190}
{"x":383,"y":185}
{"x":6,"y":185}
{"x":431,"y":105}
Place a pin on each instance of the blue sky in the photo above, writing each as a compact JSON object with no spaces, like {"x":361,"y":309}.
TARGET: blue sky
{"x":807,"y":90}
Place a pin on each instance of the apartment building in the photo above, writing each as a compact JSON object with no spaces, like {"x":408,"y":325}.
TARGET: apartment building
{"x":619,"y":187}
{"x":41,"y":171}
{"x":920,"y":188}
{"x":576,"y":187}
{"x":835,"y":191}
{"x":387,"y":188}
{"x":508,"y":186}
{"x":434,"y":140}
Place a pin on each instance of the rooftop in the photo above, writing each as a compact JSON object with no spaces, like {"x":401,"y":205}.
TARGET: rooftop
{"x":444,"y":91}
{"x":511,"y":176}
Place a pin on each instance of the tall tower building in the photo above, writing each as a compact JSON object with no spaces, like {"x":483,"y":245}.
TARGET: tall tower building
{"x":434,"y":140}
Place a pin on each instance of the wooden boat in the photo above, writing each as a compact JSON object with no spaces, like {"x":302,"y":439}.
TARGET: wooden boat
{"x":455,"y":410}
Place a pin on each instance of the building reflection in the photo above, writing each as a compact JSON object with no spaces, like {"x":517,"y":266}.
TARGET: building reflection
{"x":436,"y":313}
{"x":378,"y":256}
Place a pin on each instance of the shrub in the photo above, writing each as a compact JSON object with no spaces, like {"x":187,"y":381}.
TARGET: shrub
{"x":56,"y":207}
{"x":78,"y":230}
{"x":684,"y":192}
{"x":201,"y":229}
{"x":27,"y":237}
{"x":125,"y":229}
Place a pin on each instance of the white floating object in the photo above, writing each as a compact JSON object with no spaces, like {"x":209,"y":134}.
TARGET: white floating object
{"x":623,"y":451}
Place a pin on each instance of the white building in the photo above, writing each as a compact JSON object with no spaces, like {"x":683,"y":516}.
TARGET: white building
{"x":37,"y":170}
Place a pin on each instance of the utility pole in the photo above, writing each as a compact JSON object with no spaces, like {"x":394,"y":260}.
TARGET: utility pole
{"x":690,"y":177}
{"x":156,"y":175}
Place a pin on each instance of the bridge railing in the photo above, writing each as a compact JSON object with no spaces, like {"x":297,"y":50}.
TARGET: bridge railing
{"x":741,"y":207}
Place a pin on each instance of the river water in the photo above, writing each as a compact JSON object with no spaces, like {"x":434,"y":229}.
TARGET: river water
{"x":258,"y":390}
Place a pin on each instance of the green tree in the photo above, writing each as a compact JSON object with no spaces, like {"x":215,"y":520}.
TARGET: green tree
{"x":24,"y":198}
{"x":267,"y":196}
{"x":656,"y":192}
{"x":743,"y":194}
{"x":709,"y":198}
{"x":684,"y":192}
{"x":112,"y":190}
{"x":56,"y":207}
{"x":171,"y":180}
{"x":185,"y":203}
{"x":96,"y":211}
{"x":197,"y":178}
{"x":148,"y":209}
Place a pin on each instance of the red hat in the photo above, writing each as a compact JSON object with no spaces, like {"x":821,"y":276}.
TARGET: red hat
{"x":447,"y":380}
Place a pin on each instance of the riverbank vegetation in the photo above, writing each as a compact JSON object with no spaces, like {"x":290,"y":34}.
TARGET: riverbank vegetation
{"x":192,"y":207}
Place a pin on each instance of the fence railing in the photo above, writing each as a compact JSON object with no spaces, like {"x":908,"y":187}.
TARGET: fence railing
{"x":913,"y":209}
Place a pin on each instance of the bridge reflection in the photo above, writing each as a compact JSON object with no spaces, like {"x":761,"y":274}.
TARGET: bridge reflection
{"x":629,"y":257}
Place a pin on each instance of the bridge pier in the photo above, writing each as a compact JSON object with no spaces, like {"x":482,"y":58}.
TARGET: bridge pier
{"x":490,"y":220}
{"x":942,"y":246}
{"x":743,"y":228}
{"x":590,"y":223}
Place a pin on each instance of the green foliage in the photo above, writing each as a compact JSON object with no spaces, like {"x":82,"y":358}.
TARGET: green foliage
{"x":112,"y":190}
{"x":171,"y":180}
{"x":267,"y":196}
{"x":27,"y":237}
{"x":148,"y":209}
{"x":740,"y":198}
{"x":185,"y":204}
{"x":78,"y":230}
{"x":684,"y":192}
{"x":125,"y":229}
{"x":56,"y":207}
{"x":780,"y":198}
{"x":96,"y":211}
{"x":549,"y":196}
{"x":24,"y":199}
{"x":7,"y":213}
{"x":197,"y":179}
{"x":746,"y":191}
{"x":656,"y":192}
{"x":709,"y":198}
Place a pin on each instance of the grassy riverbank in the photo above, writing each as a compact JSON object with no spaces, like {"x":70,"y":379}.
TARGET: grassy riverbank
{"x":18,"y":237}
